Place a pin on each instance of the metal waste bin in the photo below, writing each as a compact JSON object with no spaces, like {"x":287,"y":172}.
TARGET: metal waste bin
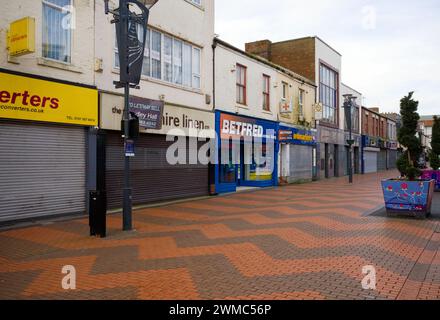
{"x":98,"y":213}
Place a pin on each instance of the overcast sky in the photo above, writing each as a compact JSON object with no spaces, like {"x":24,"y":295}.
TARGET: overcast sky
{"x":388,"y":47}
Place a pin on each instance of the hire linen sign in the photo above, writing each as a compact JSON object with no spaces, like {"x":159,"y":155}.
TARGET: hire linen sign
{"x":155,"y":117}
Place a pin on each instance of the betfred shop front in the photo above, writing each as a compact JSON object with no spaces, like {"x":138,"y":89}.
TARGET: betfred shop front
{"x":247,"y":153}
{"x":153,"y":177}
{"x":43,"y":149}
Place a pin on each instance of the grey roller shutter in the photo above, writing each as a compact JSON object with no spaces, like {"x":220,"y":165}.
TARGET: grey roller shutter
{"x":152,"y":178}
{"x":370,"y":159}
{"x":42,"y":170}
{"x":382,"y":160}
{"x":301,"y":163}
{"x":392,"y":159}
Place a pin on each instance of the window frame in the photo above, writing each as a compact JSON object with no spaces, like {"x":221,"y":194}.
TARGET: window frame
{"x":240,"y":86}
{"x":329,"y":93}
{"x":68,"y":10}
{"x":159,"y":61}
{"x":266,"y":92}
{"x":301,"y":99}
{"x":193,"y":72}
{"x":355,"y":119}
{"x":196,"y":75}
{"x":285,"y":90}
{"x":366,"y":124}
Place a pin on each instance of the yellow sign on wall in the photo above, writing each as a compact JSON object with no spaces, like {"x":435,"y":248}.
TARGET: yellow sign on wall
{"x":40,"y":100}
{"x":21,"y":37}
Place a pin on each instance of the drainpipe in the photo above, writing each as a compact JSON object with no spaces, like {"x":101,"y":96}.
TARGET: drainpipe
{"x":214,"y":46}
{"x":212,"y":167}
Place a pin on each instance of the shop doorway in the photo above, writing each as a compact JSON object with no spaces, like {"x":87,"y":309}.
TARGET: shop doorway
{"x":327,"y":161}
{"x":356,"y":160}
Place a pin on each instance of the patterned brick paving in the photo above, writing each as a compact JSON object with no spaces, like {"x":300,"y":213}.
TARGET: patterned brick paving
{"x":296,"y":242}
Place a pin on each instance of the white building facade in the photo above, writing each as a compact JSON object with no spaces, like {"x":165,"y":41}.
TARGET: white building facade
{"x":331,"y":134}
{"x":246,"y":109}
{"x":355,"y":126}
{"x":177,"y":76}
{"x":60,"y":105}
{"x":297,"y":135}
{"x":250,"y":91}
{"x":49,"y":102}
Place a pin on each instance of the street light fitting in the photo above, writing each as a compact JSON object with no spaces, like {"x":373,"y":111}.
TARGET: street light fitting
{"x":131,"y":20}
{"x":348,"y":97}
{"x":148,"y":3}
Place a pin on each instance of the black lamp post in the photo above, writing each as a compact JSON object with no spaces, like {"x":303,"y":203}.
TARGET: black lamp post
{"x":130,"y":18}
{"x":349,"y":103}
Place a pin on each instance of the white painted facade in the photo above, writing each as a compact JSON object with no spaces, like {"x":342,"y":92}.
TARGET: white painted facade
{"x":298,"y":116}
{"x":79,"y":70}
{"x":225,"y":81}
{"x":348,"y":90}
{"x":93,"y":47}
{"x":303,"y":117}
{"x":327,"y":55}
{"x":181,"y":20}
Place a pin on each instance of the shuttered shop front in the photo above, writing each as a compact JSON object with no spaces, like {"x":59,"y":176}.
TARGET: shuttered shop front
{"x":153,"y":178}
{"x":42,"y":170}
{"x":382,"y":160}
{"x":301,"y":163}
{"x":370,"y":159}
{"x":43,"y":125}
{"x":392,"y":159}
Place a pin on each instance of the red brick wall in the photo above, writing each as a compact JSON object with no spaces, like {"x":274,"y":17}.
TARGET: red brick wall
{"x":372,"y":126}
{"x":296,"y":55}
{"x":260,"y":48}
{"x":367,"y":123}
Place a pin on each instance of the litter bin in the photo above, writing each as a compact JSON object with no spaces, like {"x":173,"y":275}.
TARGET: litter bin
{"x":98,"y":213}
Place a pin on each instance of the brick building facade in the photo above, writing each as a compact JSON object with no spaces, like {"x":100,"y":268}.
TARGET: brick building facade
{"x":314,"y":59}
{"x":379,"y":141}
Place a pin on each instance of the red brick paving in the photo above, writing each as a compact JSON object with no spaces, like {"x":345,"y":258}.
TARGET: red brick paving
{"x":296,"y":242}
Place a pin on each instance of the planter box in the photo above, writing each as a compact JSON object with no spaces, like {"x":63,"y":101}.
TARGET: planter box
{"x":412,"y":198}
{"x":432,"y":174}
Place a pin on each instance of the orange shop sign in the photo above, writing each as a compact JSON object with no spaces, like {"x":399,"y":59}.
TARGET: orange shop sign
{"x":40,"y":100}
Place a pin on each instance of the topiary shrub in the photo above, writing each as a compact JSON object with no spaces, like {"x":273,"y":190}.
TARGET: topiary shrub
{"x":408,"y":162}
{"x":434,"y":156}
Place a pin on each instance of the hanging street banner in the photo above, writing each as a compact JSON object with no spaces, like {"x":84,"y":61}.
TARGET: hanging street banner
{"x":26,"y":98}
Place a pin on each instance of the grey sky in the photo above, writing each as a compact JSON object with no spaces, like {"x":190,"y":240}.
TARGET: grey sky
{"x":389,"y":47}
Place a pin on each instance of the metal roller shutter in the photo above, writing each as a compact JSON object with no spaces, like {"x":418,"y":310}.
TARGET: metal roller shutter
{"x":42,"y":170}
{"x":347,"y":156}
{"x":152,"y":178}
{"x":370,"y":159}
{"x":301,"y":163}
{"x":392,"y":159}
{"x":382,"y":160}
